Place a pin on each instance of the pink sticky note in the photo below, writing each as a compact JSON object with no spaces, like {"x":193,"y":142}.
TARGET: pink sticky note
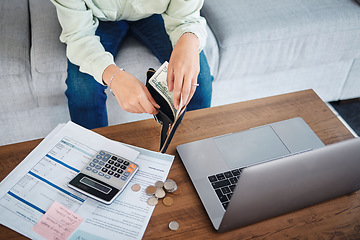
{"x":58,"y":223}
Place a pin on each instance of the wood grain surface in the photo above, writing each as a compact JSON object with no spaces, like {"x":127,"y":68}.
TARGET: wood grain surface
{"x":334,"y":219}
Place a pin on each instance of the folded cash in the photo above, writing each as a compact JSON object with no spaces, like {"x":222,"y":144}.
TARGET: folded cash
{"x":169,"y":117}
{"x":159,"y":83}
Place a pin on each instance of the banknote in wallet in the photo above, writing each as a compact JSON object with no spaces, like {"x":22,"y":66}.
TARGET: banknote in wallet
{"x":169,"y":117}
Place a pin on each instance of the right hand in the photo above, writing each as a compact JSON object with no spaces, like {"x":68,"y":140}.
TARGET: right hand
{"x":131,"y":94}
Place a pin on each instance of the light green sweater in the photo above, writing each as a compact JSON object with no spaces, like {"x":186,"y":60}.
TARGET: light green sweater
{"x":79,"y":20}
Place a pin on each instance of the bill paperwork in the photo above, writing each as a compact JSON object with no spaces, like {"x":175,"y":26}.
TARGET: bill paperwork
{"x":41,"y":179}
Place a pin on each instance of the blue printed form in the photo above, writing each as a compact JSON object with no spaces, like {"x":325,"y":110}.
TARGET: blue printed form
{"x":42,"y":177}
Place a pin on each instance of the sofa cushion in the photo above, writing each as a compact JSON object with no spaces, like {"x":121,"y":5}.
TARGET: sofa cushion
{"x":326,"y":80}
{"x":16,"y":93}
{"x":48,"y":53}
{"x":260,"y":36}
{"x":48,"y":60}
{"x":14,"y":37}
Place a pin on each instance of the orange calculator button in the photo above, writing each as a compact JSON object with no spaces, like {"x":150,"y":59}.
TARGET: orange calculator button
{"x":133,"y":166}
{"x":129,"y":170}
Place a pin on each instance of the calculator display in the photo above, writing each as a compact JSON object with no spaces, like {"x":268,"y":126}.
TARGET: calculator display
{"x":95,"y":185}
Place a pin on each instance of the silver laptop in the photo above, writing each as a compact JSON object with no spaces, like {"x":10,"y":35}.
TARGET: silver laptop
{"x":249,"y":176}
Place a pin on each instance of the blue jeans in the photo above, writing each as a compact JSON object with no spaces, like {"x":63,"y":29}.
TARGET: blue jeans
{"x":87,"y":98}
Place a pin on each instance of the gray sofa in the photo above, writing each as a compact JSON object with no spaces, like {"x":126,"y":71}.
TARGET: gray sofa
{"x":255,"y":48}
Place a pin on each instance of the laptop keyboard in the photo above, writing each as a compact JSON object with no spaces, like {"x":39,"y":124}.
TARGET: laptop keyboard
{"x":224,"y":185}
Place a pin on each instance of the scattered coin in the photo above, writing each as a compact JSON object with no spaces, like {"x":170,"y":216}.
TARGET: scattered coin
{"x":170,"y":185}
{"x":173,"y":225}
{"x":152,"y":201}
{"x":159,"y":184}
{"x":136,"y":187}
{"x":160,"y":193}
{"x":150,"y":190}
{"x":168,"y":201}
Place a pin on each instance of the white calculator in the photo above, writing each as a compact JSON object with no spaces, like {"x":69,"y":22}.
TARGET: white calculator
{"x":104,"y":177}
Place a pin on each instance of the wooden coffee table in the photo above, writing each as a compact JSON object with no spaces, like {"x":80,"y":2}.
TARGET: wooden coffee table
{"x":335,"y":219}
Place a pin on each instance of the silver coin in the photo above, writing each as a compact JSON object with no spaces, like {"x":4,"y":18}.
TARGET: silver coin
{"x":159,"y":184}
{"x":160,"y":193}
{"x":170,"y":185}
{"x":173,"y":225}
{"x":152,"y":201}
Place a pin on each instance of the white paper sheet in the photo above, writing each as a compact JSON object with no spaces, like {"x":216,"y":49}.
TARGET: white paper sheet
{"x":42,"y":177}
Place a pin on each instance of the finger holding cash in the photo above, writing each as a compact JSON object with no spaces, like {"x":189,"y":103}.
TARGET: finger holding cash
{"x":184,"y":68}
{"x":159,"y":82}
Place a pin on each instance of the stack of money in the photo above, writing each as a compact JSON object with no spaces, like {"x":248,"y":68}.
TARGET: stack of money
{"x":159,"y":83}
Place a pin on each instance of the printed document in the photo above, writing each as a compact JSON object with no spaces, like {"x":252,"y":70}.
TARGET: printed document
{"x":41,"y":179}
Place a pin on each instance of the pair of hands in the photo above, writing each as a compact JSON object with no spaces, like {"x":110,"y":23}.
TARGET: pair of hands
{"x":183,"y":70}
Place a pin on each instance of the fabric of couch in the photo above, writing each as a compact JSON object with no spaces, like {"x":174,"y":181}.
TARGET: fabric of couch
{"x":255,"y":49}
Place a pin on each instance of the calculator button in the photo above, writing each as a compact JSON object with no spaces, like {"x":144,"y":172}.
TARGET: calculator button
{"x":126,"y":174}
{"x":130,"y":170}
{"x":104,"y":169}
{"x":107,"y":165}
{"x":117,"y":164}
{"x":95,"y":160}
{"x":120,"y":160}
{"x":120,"y":171}
{"x":126,"y":163}
{"x":88,"y":168}
{"x":111,"y":162}
{"x":106,"y":157}
{"x":95,"y":171}
{"x":123,"y":167}
{"x":123,"y":178}
{"x":114,"y":168}
{"x":102,"y":153}
{"x":101,"y":163}
{"x":110,"y":172}
{"x":98,"y":156}
{"x":92,"y":164}
{"x":101,"y":174}
{"x":114,"y":158}
{"x":116,"y":175}
{"x":98,"y":167}
{"x":133,"y":166}
{"x":107,"y":176}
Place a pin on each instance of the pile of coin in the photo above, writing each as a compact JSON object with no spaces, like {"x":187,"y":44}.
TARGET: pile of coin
{"x":159,"y":190}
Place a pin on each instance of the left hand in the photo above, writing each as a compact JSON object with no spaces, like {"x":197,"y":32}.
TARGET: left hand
{"x":184,"y":68}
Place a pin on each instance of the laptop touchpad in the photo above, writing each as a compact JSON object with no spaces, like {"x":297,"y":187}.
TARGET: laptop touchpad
{"x":250,"y":147}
